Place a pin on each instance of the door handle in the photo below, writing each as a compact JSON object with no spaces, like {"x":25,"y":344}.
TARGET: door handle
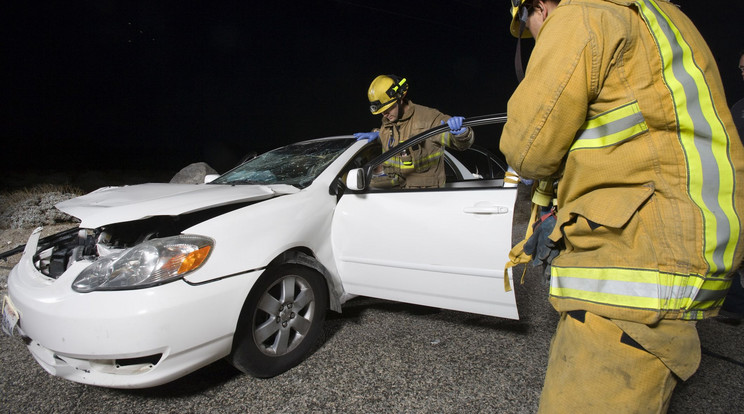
{"x":486,"y":208}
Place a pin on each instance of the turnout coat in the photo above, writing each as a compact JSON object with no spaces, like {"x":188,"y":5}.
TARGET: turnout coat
{"x":630,"y":117}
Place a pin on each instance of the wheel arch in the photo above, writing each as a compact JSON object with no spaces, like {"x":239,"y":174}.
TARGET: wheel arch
{"x":303,"y":256}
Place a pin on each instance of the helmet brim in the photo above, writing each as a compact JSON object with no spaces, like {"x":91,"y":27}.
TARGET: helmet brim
{"x":384,"y":108}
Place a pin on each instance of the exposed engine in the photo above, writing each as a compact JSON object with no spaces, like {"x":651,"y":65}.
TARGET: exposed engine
{"x":55,"y":253}
{"x":58,"y":252}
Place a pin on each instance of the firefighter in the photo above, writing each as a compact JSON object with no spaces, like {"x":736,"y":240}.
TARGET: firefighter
{"x":622,"y":105}
{"x":421,"y":166}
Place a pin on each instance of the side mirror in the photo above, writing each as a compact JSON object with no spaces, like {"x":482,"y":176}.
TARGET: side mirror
{"x":355,"y":179}
{"x":210,"y":177}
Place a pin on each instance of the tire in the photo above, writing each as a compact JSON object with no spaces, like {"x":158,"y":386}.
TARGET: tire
{"x":281,"y":321}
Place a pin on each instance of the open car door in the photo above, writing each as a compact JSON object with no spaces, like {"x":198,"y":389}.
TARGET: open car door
{"x":443,"y":247}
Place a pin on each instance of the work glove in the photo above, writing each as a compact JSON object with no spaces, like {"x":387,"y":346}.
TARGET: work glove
{"x":369,"y":136}
{"x":540,"y":247}
{"x":455,"y":124}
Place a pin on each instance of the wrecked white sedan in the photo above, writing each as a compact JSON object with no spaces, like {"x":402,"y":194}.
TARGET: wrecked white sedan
{"x":162,"y":279}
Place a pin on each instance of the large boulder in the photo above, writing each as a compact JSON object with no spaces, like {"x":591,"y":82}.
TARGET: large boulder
{"x":193,"y":174}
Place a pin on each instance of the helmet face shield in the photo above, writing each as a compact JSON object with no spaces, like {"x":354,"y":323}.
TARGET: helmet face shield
{"x":384,"y":91}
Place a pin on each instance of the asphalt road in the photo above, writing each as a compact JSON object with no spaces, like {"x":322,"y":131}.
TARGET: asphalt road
{"x":380,"y":356}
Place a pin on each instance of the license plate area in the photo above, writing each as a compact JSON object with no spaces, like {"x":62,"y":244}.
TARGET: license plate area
{"x":10,"y":316}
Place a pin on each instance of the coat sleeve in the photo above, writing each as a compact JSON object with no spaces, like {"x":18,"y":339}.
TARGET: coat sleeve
{"x":549,"y":106}
{"x":464,"y":140}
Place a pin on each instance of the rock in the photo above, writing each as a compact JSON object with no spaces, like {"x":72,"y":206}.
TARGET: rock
{"x":193,"y":174}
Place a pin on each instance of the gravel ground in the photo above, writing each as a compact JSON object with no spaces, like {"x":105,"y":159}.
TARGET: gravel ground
{"x":380,"y":356}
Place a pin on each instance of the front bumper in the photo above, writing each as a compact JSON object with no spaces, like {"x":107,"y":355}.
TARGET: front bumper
{"x":125,"y":339}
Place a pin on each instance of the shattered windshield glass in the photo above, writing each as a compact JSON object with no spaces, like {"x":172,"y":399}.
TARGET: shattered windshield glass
{"x":297,"y":164}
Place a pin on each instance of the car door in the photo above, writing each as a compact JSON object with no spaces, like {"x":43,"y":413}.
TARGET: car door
{"x":442,"y":247}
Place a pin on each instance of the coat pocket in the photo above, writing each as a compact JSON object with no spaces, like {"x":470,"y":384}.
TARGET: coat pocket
{"x":602,"y":220}
{"x":422,"y":160}
{"x":611,"y":207}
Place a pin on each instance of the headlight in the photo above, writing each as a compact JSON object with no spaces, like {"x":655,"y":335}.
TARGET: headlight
{"x":153,"y":262}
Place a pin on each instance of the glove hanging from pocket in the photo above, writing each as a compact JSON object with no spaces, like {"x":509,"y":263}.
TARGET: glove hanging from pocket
{"x":540,"y":247}
{"x":536,"y":247}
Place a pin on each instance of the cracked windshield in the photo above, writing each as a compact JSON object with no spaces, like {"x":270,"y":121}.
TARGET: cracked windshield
{"x":297,"y":164}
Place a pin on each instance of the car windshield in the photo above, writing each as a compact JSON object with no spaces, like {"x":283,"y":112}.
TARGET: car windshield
{"x":297,"y":164}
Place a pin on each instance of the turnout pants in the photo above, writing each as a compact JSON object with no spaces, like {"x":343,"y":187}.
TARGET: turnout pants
{"x":596,"y":367}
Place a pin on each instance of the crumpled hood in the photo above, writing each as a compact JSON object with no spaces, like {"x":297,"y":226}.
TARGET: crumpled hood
{"x":119,"y":204}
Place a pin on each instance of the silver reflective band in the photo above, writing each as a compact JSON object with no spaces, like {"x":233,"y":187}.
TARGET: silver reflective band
{"x":611,"y":127}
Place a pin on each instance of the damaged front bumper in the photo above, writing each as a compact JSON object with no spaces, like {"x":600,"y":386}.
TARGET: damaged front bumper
{"x":123,"y":339}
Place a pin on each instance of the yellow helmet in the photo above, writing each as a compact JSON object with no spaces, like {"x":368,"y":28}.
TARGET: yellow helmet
{"x":384,"y":91}
{"x":519,"y":18}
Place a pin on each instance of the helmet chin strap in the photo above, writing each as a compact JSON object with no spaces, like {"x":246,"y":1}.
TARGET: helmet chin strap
{"x":518,"y":55}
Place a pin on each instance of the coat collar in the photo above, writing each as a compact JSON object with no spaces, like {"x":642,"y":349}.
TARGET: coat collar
{"x":407,"y":114}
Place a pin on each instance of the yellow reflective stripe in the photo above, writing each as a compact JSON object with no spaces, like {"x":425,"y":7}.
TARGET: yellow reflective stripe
{"x":432,"y":158}
{"x":638,"y":288}
{"x":425,"y":162}
{"x":445,"y":140}
{"x":607,"y":298}
{"x":691,"y":311}
{"x":611,"y":127}
{"x":703,"y":137}
{"x":396,"y":162}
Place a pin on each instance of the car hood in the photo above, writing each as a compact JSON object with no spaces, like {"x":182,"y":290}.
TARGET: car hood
{"x":119,"y":204}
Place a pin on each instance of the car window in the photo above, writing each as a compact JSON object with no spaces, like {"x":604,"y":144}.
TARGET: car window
{"x":450,"y":172}
{"x":365,"y":155}
{"x":297,"y":164}
{"x":481,"y":162}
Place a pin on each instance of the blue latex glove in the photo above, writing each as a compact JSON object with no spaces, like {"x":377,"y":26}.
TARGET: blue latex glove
{"x":369,"y":136}
{"x":540,"y":247}
{"x":455,"y":124}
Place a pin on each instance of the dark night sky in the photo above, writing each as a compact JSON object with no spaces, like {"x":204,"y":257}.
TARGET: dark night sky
{"x":158,"y":84}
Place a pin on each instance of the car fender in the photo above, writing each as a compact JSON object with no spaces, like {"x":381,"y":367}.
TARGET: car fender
{"x":250,"y":238}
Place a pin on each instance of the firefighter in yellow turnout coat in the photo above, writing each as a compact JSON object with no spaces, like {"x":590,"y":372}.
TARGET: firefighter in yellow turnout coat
{"x":422,"y":166}
{"x":623,"y":105}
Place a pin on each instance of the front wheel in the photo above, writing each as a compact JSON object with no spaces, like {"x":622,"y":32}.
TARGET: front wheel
{"x":280,"y":322}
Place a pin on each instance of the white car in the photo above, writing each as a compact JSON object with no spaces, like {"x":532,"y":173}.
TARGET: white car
{"x":162,"y":279}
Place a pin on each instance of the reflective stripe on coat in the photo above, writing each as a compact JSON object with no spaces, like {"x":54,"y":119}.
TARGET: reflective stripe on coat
{"x":633,"y":119}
